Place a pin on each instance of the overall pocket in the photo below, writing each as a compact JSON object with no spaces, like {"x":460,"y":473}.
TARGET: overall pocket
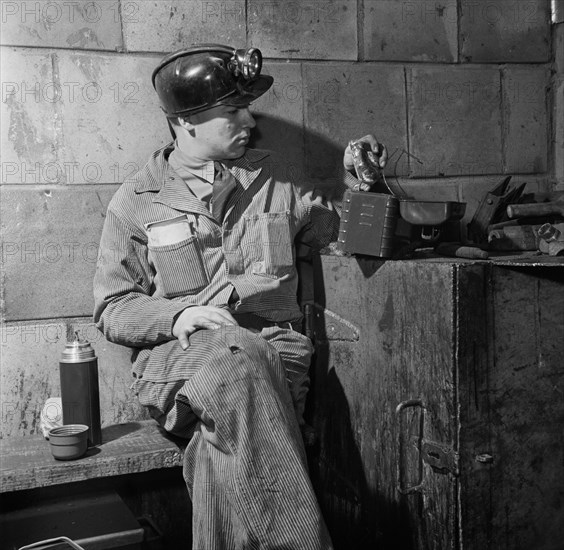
{"x":268,"y":244}
{"x":180,"y":267}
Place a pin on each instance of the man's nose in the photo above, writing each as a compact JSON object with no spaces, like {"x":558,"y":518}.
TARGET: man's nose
{"x":247,"y":118}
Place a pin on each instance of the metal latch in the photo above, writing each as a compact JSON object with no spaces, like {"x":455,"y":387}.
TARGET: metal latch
{"x":441,"y":458}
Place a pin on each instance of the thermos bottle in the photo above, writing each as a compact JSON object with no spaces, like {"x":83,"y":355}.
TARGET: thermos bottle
{"x":80,"y":394}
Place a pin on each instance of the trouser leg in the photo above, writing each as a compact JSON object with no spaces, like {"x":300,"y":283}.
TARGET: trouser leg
{"x":295,"y":350}
{"x":216,"y":522}
{"x":245,"y":465}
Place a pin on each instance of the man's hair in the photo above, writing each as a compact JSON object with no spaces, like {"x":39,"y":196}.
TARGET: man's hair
{"x":175,"y":121}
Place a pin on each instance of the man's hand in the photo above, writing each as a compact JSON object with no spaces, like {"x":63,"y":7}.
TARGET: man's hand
{"x":378,"y":149}
{"x":198,"y":317}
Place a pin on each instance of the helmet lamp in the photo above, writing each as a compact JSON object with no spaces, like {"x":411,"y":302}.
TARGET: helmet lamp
{"x":246,"y":62}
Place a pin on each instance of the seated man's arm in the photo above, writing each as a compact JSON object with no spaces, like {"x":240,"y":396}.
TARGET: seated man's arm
{"x":323,"y":213}
{"x":125,"y":311}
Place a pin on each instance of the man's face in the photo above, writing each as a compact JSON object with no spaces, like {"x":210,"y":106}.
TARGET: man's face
{"x":221,"y":132}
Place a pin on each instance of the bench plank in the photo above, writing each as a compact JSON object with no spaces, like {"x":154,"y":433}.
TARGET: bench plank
{"x":27,"y":462}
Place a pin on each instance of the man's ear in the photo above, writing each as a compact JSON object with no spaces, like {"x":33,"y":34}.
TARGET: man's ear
{"x":186,"y":123}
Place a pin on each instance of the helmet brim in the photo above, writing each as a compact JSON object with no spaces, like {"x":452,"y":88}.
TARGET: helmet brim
{"x":241,"y":97}
{"x":249,"y":91}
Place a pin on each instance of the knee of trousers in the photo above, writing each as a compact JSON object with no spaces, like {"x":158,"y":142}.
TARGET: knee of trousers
{"x":237,"y":354}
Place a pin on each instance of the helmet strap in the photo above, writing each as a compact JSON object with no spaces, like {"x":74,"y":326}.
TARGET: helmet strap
{"x":171,"y":128}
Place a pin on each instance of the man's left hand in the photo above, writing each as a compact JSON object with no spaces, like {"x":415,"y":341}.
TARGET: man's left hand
{"x":379,"y":150}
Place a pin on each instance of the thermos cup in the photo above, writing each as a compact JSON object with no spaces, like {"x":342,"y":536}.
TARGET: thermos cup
{"x":80,"y":393}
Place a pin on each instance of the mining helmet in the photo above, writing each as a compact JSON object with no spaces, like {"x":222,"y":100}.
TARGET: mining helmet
{"x":206,"y":75}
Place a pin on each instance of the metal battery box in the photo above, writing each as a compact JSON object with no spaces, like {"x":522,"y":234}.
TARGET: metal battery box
{"x":368,"y":223}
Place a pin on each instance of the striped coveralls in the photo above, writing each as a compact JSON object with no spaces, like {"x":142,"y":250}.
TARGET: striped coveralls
{"x":234,"y":390}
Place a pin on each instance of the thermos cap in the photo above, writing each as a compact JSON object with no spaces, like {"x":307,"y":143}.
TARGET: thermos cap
{"x":77,"y":351}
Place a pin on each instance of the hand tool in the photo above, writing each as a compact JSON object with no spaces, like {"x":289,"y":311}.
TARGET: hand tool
{"x":536,"y":209}
{"x":457,"y":250}
{"x":514,"y":237}
{"x":492,"y":210}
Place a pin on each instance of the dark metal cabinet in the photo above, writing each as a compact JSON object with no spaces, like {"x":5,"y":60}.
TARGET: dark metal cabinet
{"x":438,"y":401}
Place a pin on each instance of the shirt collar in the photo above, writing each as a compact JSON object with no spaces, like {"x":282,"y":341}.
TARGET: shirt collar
{"x":185,"y":165}
{"x":154,"y":174}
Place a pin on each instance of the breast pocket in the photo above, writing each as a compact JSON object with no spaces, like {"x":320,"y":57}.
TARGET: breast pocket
{"x":268,"y":244}
{"x":180,"y":268}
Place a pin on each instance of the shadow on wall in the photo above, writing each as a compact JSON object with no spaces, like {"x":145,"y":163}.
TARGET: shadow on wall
{"x":358,"y":513}
{"x":312,"y":158}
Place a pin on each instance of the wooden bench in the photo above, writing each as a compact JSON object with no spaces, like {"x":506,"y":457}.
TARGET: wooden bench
{"x":27,"y":463}
{"x":138,"y":461}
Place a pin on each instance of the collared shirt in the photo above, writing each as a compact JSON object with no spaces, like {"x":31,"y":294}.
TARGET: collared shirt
{"x":161,"y":250}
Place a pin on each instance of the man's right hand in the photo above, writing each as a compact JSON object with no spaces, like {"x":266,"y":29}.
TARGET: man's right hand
{"x":198,"y":317}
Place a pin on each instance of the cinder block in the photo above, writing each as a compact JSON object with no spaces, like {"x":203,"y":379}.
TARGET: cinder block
{"x":30,"y":129}
{"x":416,"y":30}
{"x":111,"y":119}
{"x":525,"y":92}
{"x":505,"y":30}
{"x":279,"y":115}
{"x":454,"y":121}
{"x":344,"y":102}
{"x":50,"y":249}
{"x":76,"y":24}
{"x":77,"y":117}
{"x":304,"y":30}
{"x":431,"y":189}
{"x":167,"y":26}
{"x":29,"y":374}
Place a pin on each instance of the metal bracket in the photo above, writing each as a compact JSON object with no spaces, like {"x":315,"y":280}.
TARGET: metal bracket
{"x":325,"y":325}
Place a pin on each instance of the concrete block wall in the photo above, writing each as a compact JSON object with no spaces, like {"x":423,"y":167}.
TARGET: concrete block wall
{"x":463,"y":92}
